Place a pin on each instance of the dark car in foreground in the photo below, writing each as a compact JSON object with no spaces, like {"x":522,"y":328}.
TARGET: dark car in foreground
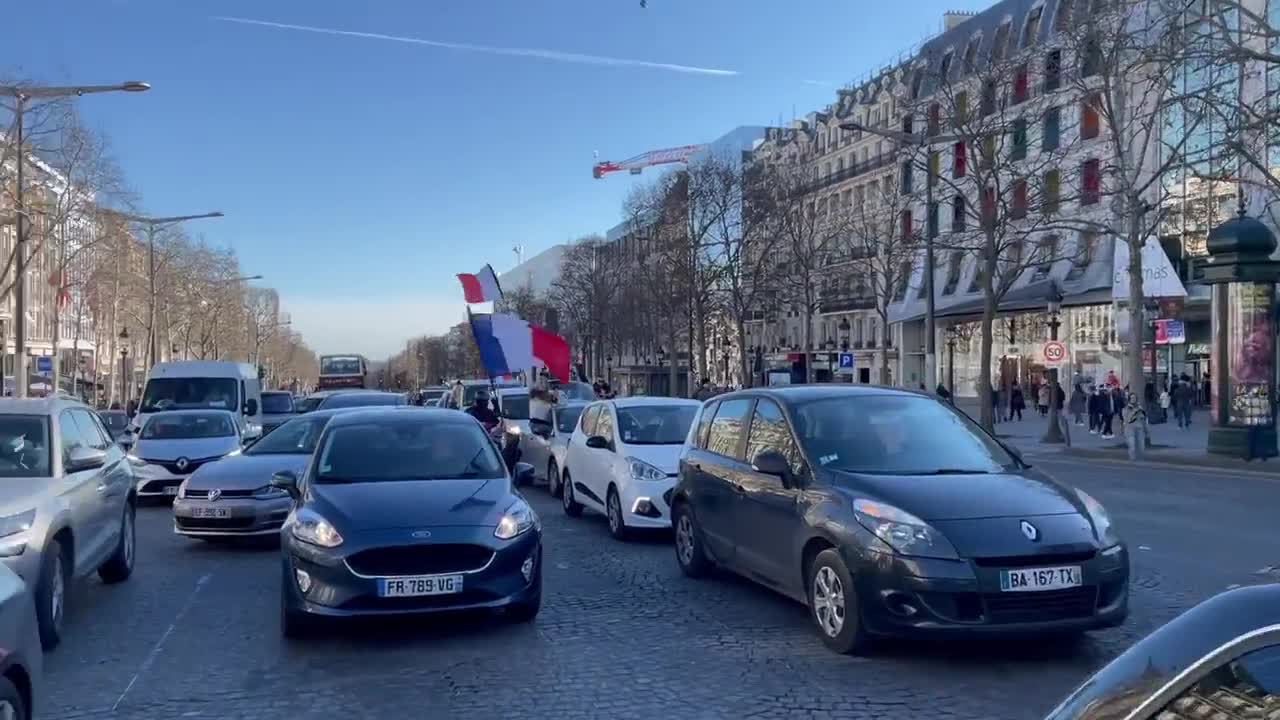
{"x":21,"y":657}
{"x":234,"y":497}
{"x":1220,"y":660}
{"x":406,"y":510}
{"x":888,"y":513}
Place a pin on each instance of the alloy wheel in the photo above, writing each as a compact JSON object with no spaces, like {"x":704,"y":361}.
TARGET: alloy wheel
{"x":615,"y":513}
{"x":129,"y":540}
{"x":684,"y":539}
{"x":57,"y":592}
{"x":566,"y":494}
{"x":828,"y":601}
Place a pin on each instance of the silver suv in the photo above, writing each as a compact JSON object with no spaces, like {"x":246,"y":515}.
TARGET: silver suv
{"x":66,"y":502}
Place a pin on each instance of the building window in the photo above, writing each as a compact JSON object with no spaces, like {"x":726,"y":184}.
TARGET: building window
{"x":908,"y":123}
{"x":989,"y":151}
{"x":1090,"y":122}
{"x":932,"y":219}
{"x":1090,"y":182}
{"x":989,"y":97}
{"x":1000,"y":47}
{"x":979,"y":270}
{"x":1052,"y":129}
{"x":1086,"y":250}
{"x":839,"y":165}
{"x":916,"y":81}
{"x":1062,"y":21}
{"x":970,"y":56}
{"x":957,"y":214}
{"x":959,"y":158}
{"x":907,"y":176}
{"x":1019,"y":139}
{"x":1019,"y":206}
{"x":945,"y":67}
{"x":1031,"y":33}
{"x":935,"y":168}
{"x":1052,"y":70}
{"x":988,"y":208}
{"x":904,"y":281}
{"x":1052,"y":191}
{"x":1021,"y":84}
{"x":962,"y":109}
{"x":954,"y":266}
{"x":888,"y":186}
{"x":935,"y":119}
{"x":1091,"y":57}
{"x":1046,"y":250}
{"x":906,"y":224}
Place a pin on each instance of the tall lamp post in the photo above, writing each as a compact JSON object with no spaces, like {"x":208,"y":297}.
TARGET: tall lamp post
{"x":22,"y":94}
{"x":124,"y":366}
{"x":951,"y":360}
{"x":1053,"y":432}
{"x":725,"y":344}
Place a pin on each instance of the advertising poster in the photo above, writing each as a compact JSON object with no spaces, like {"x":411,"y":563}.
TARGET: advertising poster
{"x":1250,"y":340}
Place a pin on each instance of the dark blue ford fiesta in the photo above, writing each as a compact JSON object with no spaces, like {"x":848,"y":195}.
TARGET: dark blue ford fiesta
{"x":406,"y":510}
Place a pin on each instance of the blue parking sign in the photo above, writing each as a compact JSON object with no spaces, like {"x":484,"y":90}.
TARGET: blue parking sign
{"x":846,"y":361}
{"x":44,"y":364}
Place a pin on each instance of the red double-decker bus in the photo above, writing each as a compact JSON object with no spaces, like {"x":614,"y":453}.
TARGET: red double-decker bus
{"x":343,"y":371}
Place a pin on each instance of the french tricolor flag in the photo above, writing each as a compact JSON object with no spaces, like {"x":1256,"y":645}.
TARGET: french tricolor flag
{"x":508,"y":345}
{"x":482,"y":287}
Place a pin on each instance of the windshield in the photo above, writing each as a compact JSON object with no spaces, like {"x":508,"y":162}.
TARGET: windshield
{"x":277,"y":403}
{"x":567,"y":418}
{"x":187,"y":426}
{"x":414,"y":450}
{"x":190,"y":393}
{"x":896,"y":434}
{"x":655,"y":424}
{"x":116,"y":422}
{"x":515,"y":407}
{"x":296,"y":437}
{"x":308,"y":404}
{"x":340,"y":365}
{"x":577,"y":391}
{"x":469,"y":393}
{"x":350,"y":400}
{"x":24,"y":446}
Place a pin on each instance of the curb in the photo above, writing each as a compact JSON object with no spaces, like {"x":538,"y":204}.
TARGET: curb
{"x":1155,"y":460}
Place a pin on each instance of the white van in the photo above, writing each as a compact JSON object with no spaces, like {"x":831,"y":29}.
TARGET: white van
{"x":204,"y":384}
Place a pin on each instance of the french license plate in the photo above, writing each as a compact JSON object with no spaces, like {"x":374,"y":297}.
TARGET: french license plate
{"x":1034,"y":579}
{"x":171,"y":490}
{"x":210,"y":512}
{"x":420,"y":585}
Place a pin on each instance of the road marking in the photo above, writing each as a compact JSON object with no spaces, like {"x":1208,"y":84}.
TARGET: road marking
{"x":155,"y":650}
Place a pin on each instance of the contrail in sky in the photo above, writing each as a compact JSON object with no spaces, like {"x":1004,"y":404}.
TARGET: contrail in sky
{"x":555,"y":55}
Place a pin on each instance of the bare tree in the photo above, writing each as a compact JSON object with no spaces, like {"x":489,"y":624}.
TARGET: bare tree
{"x":584,"y":292}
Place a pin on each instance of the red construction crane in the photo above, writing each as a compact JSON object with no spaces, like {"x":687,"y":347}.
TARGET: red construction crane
{"x":640,"y":162}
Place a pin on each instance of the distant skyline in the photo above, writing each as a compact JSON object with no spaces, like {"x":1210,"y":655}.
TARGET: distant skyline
{"x":364,"y":155}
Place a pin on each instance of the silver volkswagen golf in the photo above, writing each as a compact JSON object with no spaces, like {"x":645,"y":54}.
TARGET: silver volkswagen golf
{"x":66,"y":503}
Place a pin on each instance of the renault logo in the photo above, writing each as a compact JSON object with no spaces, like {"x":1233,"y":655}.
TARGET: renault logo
{"x":182,"y":464}
{"x":214,"y":495}
{"x":1030,"y":531}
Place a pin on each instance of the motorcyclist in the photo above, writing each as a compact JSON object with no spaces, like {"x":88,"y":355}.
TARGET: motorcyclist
{"x":480,"y":410}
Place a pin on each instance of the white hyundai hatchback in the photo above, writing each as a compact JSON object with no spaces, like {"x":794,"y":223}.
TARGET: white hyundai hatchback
{"x":622,"y":460}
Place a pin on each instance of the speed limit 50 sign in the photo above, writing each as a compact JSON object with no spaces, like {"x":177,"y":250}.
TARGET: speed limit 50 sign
{"x":1055,"y":353}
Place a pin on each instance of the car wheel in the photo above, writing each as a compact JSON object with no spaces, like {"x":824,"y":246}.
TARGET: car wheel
{"x":833,"y":603}
{"x":12,"y":704}
{"x":119,"y":566}
{"x":572,"y":507}
{"x":51,"y":594}
{"x":553,"y":479}
{"x":617,"y":521}
{"x":690,"y":553}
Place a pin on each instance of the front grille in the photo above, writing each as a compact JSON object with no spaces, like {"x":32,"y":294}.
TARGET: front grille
{"x":231,"y":523}
{"x":204,"y":494}
{"x":426,"y":602}
{"x":419,"y":559}
{"x":172,"y":466}
{"x":1045,"y":560}
{"x":1017,"y":607}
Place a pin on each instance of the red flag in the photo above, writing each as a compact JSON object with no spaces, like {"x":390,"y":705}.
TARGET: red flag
{"x":553,"y":351}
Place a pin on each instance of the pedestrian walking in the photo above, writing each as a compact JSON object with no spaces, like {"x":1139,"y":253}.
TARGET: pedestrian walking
{"x":1042,"y":399}
{"x":1107,"y":409}
{"x":1016,"y":402}
{"x":1135,"y":427}
{"x":1077,"y":404}
{"x":1094,"y":405}
{"x":1184,"y":396}
{"x":997,"y":409}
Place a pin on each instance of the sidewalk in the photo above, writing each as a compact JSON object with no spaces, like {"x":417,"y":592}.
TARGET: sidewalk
{"x":1169,"y":443}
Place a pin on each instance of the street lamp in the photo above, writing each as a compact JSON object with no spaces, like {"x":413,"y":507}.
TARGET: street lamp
{"x":726,"y":343}
{"x":1053,"y":302}
{"x":21,"y":94}
{"x":843,"y":328}
{"x":930,"y":319}
{"x":951,"y":359}
{"x":153,"y":224}
{"x":608,"y":368}
{"x":124,"y":364}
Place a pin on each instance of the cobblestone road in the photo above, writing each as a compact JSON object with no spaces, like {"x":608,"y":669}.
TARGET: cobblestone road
{"x":622,"y":633}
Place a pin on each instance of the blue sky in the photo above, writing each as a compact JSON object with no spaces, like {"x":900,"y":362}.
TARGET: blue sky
{"x":358,"y":173}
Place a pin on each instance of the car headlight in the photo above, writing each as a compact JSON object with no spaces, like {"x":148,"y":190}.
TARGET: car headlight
{"x":309,"y":527}
{"x":641,"y":470}
{"x":1100,"y":518}
{"x":517,"y":519}
{"x":19,"y":523}
{"x":902,"y":531}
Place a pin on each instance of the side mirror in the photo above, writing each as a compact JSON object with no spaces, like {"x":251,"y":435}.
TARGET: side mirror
{"x":286,"y":481}
{"x":772,"y":462}
{"x":251,"y":407}
{"x":598,"y":442}
{"x":85,"y":458}
{"x":523,"y":474}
